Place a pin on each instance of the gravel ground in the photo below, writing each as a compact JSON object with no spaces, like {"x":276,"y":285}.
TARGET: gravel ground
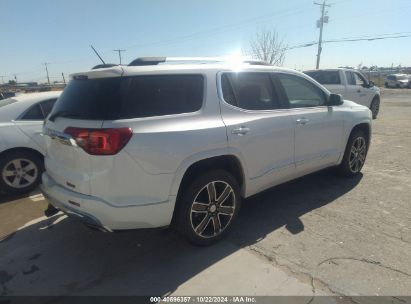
{"x":338,"y":236}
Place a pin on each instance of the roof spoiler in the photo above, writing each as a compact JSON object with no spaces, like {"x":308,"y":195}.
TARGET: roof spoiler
{"x":102,"y":66}
{"x":147,"y":61}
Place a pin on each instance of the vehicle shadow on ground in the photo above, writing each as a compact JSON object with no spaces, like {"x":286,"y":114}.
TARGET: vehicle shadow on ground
{"x":4,"y":197}
{"x":67,"y":258}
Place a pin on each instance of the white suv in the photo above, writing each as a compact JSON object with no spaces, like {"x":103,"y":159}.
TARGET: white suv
{"x":157,"y":143}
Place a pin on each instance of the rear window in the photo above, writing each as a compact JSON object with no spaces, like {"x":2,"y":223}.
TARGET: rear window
{"x":130,"y":97}
{"x":325,"y":77}
{"x":6,"y":102}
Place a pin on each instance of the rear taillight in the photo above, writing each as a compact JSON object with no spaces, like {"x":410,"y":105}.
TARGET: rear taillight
{"x":100,"y":141}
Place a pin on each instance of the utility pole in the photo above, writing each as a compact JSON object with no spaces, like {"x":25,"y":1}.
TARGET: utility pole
{"x":64,"y":79}
{"x":15,"y":77}
{"x":320,"y":24}
{"x":119,"y":53}
{"x":47,"y":71}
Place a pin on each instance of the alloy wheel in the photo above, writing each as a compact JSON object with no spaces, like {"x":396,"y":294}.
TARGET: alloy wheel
{"x":212,"y":209}
{"x":20,"y":173}
{"x":357,"y":154}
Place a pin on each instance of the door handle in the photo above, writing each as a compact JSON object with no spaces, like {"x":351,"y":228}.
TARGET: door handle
{"x":240,"y":131}
{"x":302,"y":121}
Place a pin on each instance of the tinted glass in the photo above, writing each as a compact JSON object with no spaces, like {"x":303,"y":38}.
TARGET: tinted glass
{"x":34,"y":113}
{"x":6,"y":102}
{"x":359,"y":80}
{"x":350,"y":78}
{"x":301,"y":92}
{"x":250,"y":91}
{"x":47,"y":106}
{"x":325,"y":77}
{"x":130,"y":97}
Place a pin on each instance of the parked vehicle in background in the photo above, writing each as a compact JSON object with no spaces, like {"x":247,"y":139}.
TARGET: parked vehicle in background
{"x":21,"y":145}
{"x":153,"y":144}
{"x":4,"y":95}
{"x":351,"y":84}
{"x":397,"y":81}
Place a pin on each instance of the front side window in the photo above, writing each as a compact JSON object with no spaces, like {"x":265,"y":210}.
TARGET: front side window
{"x":350,"y":78}
{"x":130,"y":97}
{"x":300,"y":92}
{"x":359,"y":79}
{"x":325,"y":77}
{"x":249,"y":91}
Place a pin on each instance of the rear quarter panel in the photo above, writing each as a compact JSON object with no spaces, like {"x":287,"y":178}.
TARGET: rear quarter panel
{"x":12,"y":137}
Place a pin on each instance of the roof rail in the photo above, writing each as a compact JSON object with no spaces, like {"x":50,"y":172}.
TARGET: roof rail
{"x":102,"y":66}
{"x":143,"y":61}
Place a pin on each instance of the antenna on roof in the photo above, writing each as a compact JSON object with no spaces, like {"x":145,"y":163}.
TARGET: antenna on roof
{"x":97,"y":54}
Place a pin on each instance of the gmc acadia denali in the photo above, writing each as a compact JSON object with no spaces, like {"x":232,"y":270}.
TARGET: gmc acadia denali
{"x":162,"y":142}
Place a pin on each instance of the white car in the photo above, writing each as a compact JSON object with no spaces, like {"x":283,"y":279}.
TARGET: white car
{"x":351,"y":84}
{"x":153,"y":143}
{"x":21,"y":146}
{"x":398,"y":81}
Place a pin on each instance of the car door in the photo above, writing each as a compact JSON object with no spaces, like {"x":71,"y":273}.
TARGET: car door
{"x":318,"y":128}
{"x":365,"y":95}
{"x":355,"y":88}
{"x":259,"y":128}
{"x":31,"y":121}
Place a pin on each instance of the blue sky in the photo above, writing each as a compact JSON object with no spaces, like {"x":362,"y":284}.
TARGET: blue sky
{"x":60,"y":32}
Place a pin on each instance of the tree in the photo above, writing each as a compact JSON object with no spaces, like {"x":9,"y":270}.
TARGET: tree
{"x":268,"y":47}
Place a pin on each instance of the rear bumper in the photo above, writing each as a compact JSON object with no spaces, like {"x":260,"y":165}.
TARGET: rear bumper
{"x":99,"y":213}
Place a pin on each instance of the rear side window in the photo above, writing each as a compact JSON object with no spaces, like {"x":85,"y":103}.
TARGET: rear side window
{"x":300,"y":92}
{"x":249,"y":91}
{"x":33,"y":113}
{"x":47,"y":106}
{"x":130,"y":97}
{"x":325,"y":77}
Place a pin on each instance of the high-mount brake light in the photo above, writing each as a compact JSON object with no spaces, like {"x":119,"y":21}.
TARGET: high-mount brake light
{"x":107,"y":141}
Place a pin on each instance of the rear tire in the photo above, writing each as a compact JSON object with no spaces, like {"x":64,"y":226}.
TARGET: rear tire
{"x":20,"y":171}
{"x":208,"y":208}
{"x":354,"y":155}
{"x":375,"y":107}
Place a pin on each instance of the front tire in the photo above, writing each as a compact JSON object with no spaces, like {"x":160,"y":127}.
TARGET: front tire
{"x":208,"y":207}
{"x":355,"y":154}
{"x":375,"y":107}
{"x":20,"y":172}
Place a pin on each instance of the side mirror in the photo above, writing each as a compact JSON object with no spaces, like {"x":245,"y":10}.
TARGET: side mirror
{"x":371,"y":84}
{"x":335,"y":100}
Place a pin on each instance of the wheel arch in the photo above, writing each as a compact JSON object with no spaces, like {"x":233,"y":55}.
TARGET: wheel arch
{"x":363,"y":126}
{"x":228,"y":162}
{"x":24,"y":149}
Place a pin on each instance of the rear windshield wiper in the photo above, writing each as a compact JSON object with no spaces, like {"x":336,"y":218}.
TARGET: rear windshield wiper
{"x":68,"y":114}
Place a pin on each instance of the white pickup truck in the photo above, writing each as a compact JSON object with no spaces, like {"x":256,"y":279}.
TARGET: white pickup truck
{"x":351,"y":84}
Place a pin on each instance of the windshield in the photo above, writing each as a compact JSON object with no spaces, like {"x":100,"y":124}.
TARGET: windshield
{"x":7,"y":101}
